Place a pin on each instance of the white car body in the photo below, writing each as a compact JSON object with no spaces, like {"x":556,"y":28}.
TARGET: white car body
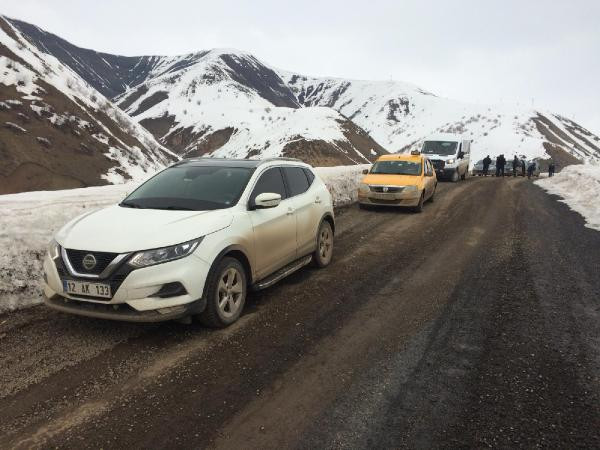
{"x":264,"y":240}
{"x":454,"y":166}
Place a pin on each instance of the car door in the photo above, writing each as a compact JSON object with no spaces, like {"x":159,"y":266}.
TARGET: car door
{"x":305,"y":202}
{"x":274,"y":228}
{"x":428,"y":178}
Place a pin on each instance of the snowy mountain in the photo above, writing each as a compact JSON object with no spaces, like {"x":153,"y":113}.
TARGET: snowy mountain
{"x":57,"y":131}
{"x":400,"y":115}
{"x":226,"y":102}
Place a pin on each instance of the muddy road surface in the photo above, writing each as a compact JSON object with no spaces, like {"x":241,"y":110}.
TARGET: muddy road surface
{"x":475,"y":323}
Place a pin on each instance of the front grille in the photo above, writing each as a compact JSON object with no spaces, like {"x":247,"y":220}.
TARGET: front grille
{"x":387,"y":189}
{"x":103,"y":259}
{"x":385,"y":201}
{"x":438,"y":164}
{"x":115,"y":279}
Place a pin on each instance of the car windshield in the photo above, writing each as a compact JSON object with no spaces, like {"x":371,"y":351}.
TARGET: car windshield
{"x":396,"y":168}
{"x":193,"y":188}
{"x":439,"y":148}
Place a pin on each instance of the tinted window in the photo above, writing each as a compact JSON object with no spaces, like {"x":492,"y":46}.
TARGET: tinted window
{"x":270,"y":181}
{"x":195,"y":188}
{"x":310,"y":175}
{"x":297,"y":181}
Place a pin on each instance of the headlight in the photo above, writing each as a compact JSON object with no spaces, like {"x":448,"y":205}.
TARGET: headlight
{"x":165,"y":254}
{"x":450,"y":161}
{"x":363,"y":187}
{"x":411,"y":188}
{"x":53,"y":249}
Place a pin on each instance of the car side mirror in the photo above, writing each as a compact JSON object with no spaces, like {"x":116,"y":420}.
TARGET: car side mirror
{"x":267,"y":200}
{"x":461,"y":155}
{"x":365,"y":171}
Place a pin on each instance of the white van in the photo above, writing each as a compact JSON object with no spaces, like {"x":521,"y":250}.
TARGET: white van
{"x":449,"y":154}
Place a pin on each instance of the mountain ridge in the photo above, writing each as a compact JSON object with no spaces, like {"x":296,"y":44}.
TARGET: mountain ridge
{"x":226,"y":102}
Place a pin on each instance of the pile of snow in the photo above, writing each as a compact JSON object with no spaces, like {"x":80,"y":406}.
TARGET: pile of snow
{"x":28,"y":221}
{"x":579,"y":186}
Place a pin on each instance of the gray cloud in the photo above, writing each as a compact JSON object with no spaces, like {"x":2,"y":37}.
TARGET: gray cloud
{"x":479,"y":51}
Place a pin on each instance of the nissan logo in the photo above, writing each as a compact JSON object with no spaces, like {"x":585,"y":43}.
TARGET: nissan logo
{"x":89,"y":261}
{"x":385,"y":189}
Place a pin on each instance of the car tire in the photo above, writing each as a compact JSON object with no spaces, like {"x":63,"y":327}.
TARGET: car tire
{"x":225,"y":294}
{"x":324,"y":252}
{"x":419,"y":207}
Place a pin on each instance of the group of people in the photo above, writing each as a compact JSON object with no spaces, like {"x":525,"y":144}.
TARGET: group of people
{"x":516,"y":164}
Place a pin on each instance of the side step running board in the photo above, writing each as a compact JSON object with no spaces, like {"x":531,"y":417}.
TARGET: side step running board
{"x":282,"y":273}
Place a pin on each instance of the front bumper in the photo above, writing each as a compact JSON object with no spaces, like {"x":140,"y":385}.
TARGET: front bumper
{"x":390,"y":199}
{"x":123,"y":312}
{"x":445,"y":173}
{"x":134,"y":291}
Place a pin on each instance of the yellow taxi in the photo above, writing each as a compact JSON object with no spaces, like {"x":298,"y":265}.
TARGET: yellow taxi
{"x":398,"y":180}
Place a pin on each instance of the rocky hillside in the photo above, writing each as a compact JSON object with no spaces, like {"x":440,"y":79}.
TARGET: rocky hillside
{"x":226,"y":102}
{"x":57,"y":131}
{"x":400,"y":115}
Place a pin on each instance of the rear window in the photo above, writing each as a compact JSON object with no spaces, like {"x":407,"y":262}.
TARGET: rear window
{"x":297,"y":180}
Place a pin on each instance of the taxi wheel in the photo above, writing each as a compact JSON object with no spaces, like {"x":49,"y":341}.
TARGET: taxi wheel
{"x":419,"y":207}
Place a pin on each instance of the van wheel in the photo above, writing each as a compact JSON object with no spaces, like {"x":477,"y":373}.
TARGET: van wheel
{"x":226,"y":294}
{"x":419,"y":207}
{"x":322,"y":255}
{"x":455,"y":176}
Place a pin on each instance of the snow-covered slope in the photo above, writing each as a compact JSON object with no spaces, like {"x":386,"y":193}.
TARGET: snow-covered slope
{"x":400,"y":115}
{"x":58,"y":131}
{"x":227,"y":103}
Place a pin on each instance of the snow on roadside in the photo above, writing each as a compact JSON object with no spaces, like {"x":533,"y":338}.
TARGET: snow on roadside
{"x":28,"y":221}
{"x":579,"y":186}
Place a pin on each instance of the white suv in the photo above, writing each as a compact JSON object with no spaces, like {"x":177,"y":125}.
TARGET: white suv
{"x":191,"y":241}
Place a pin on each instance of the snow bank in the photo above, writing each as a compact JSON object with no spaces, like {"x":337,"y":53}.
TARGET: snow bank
{"x":579,"y":186}
{"x":28,"y":221}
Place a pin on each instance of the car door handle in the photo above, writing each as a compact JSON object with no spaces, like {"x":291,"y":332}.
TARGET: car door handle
{"x":290,"y":211}
{"x":318,"y":200}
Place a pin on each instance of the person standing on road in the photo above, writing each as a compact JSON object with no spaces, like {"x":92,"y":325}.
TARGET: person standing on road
{"x":551,"y":169}
{"x":515,"y":165}
{"x":486,"y":165}
{"x":523,"y":167}
{"x":500,"y":162}
{"x":530,"y":169}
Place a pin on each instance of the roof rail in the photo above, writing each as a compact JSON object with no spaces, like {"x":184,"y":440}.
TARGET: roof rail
{"x":282,"y":158}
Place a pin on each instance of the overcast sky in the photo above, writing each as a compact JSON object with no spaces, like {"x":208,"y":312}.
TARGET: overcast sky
{"x":544,"y":53}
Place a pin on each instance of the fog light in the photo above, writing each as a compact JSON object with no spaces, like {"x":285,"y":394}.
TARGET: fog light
{"x":174,"y":289}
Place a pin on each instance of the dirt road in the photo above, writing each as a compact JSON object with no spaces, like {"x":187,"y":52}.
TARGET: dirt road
{"x":466,"y":325}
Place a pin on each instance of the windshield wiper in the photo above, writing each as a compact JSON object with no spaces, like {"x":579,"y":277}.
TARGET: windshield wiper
{"x":130,"y":205}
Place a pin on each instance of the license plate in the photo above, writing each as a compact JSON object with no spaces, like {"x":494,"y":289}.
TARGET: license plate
{"x":85,"y":288}
{"x":383,"y":196}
